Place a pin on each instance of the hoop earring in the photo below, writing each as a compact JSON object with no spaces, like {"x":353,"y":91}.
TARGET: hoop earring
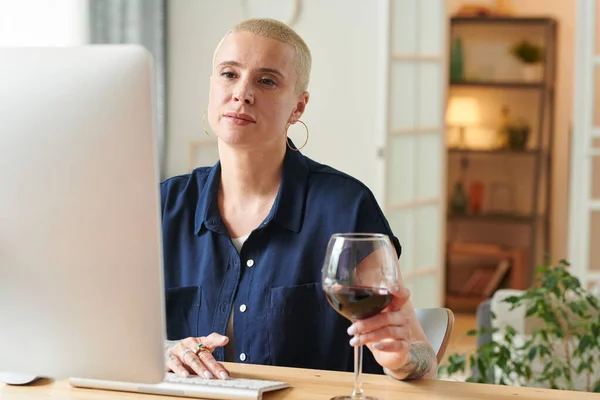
{"x":204,"y":122}
{"x":288,"y":141}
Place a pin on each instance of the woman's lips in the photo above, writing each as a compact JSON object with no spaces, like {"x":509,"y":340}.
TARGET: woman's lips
{"x":239,"y":119}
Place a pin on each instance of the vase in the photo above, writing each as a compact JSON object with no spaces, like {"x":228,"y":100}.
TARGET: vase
{"x":532,"y":72}
{"x":459,"y":201}
{"x":456,"y":61}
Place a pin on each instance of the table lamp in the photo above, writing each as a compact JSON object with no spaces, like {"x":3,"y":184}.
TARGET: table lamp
{"x":462,"y":112}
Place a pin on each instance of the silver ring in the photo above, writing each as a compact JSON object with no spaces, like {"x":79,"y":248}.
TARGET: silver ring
{"x":184,"y":353}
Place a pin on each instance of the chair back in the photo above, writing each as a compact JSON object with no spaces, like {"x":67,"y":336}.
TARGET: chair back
{"x":437,"y":324}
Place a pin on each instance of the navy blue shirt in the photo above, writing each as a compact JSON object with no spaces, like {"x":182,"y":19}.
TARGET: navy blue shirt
{"x":281,"y":315}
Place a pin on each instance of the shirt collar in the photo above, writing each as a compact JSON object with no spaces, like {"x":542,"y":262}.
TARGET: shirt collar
{"x":288,"y":208}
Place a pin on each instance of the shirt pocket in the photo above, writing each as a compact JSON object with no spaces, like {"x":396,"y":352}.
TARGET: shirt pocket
{"x":296,"y":318}
{"x":182,"y":311}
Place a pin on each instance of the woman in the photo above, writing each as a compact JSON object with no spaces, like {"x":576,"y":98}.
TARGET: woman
{"x":244,"y":241}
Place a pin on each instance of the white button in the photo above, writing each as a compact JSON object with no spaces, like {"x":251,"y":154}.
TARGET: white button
{"x":250,"y":263}
{"x":243,"y":357}
{"x":243,"y":308}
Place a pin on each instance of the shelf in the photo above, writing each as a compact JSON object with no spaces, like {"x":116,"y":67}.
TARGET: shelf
{"x":506,"y":85}
{"x":463,"y":302}
{"x":501,"y":20}
{"x":505,"y":218}
{"x":495,"y":152}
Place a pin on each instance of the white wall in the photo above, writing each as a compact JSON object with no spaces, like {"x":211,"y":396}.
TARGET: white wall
{"x":43,"y":22}
{"x":564,"y":12}
{"x":345,"y":109}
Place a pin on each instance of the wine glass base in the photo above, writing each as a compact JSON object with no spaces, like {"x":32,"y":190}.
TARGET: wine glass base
{"x":354,"y":398}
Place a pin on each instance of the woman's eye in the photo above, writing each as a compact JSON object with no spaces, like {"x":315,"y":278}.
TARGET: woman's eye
{"x":267,"y":81}
{"x":228,"y":74}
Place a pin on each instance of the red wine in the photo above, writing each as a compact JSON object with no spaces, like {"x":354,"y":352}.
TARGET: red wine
{"x":358,"y":302}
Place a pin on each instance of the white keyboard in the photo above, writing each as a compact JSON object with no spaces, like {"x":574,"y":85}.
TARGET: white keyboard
{"x":241,"y":383}
{"x":193,"y":386}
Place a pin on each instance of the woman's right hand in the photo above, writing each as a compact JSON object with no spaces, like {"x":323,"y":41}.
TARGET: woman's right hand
{"x":182,"y":360}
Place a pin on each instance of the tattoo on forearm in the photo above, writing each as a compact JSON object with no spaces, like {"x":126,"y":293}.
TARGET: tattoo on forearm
{"x":422,"y":358}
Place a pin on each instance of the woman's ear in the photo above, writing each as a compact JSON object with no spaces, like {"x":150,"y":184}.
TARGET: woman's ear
{"x":300,"y":107}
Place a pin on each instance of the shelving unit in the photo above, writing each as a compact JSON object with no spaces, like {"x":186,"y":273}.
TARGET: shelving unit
{"x":504,"y":85}
{"x":533,"y":181}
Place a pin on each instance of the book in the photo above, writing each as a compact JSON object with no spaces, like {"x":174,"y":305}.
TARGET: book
{"x":496,"y":279}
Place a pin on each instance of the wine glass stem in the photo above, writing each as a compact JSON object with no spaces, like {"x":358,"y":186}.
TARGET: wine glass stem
{"x":358,"y":394}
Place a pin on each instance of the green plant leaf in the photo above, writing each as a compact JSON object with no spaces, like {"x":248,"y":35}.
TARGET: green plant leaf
{"x":596,"y":388}
{"x":442,"y":371}
{"x":596,"y":329}
{"x":457,"y":358}
{"x":543,"y":350}
{"x":472,"y":332}
{"x":527,"y":372}
{"x":510,"y":330}
{"x":512,"y":299}
{"x":531,"y":310}
{"x":581,"y":367}
{"x":557,"y":373}
{"x":585,"y":342}
{"x":501,"y":362}
{"x":593,"y":301}
{"x":532,"y":353}
{"x":540,"y":270}
{"x":526,"y":345}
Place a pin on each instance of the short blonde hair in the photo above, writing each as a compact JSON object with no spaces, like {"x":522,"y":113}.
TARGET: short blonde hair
{"x":277,"y":30}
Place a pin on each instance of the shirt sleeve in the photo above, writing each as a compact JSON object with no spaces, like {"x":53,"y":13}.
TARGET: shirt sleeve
{"x":164,"y":190}
{"x":370,"y":219}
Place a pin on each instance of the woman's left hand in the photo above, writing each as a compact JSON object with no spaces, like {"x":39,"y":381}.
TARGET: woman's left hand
{"x":387,"y":334}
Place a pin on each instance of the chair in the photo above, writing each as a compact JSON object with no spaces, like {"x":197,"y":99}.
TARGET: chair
{"x":437,"y":324}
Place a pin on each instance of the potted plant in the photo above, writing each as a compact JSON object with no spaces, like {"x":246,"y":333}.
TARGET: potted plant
{"x":531,"y":56}
{"x":517,"y":135}
{"x":561,"y":352}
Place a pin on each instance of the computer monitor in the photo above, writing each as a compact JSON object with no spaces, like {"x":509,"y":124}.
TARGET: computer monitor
{"x":81,"y":284}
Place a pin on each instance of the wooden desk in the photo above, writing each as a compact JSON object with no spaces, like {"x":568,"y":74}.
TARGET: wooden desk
{"x":313,"y":384}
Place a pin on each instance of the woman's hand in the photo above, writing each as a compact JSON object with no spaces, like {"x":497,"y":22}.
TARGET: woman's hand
{"x":387,"y":334}
{"x":182,"y":358}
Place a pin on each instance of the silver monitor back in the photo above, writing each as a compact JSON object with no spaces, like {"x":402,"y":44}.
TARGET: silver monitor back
{"x":81,"y":284}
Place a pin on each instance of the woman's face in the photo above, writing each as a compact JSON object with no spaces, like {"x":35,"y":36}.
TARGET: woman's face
{"x":253,"y":93}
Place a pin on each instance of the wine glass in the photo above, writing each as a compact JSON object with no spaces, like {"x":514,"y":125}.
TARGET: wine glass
{"x":358,"y":273}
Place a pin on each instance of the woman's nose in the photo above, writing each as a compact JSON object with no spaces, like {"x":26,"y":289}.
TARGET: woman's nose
{"x":244,"y":94}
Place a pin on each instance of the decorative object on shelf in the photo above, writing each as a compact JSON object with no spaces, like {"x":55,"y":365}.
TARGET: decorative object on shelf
{"x":531,"y":57}
{"x":504,"y":7}
{"x":518,"y":135}
{"x":502,"y":134}
{"x":474,"y":10}
{"x":462,"y":112}
{"x":456,"y":61}
{"x":558,"y":347}
{"x":476,"y":195}
{"x":459,"y":201}
{"x":512,"y":134}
